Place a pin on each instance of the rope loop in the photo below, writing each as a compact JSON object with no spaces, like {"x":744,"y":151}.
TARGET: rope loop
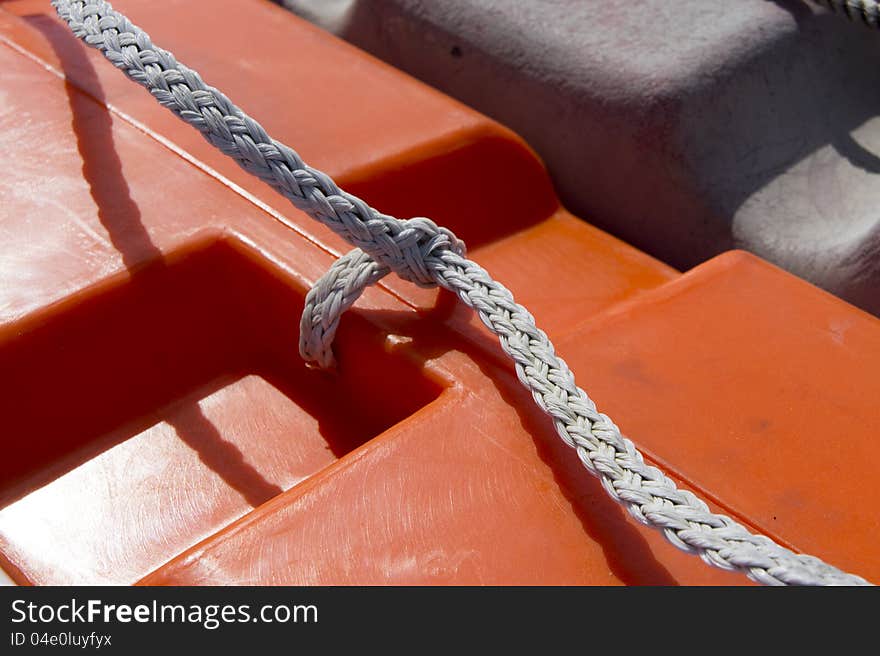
{"x":327,"y":301}
{"x":415,"y":253}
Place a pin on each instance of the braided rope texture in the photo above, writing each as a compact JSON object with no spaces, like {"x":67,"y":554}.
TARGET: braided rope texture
{"x":421,"y":252}
{"x":866,"y":11}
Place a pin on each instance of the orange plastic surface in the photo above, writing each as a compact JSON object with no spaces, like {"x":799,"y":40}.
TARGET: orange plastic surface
{"x":400,"y":145}
{"x":708,"y":375}
{"x":159,"y":425}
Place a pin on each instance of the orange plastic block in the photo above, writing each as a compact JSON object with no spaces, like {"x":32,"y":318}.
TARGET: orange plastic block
{"x":144,"y":295}
{"x":402,"y":146}
{"x":168,"y":405}
{"x":160,"y":425}
{"x":396,"y":142}
{"x":749,"y":386}
{"x":757,"y":388}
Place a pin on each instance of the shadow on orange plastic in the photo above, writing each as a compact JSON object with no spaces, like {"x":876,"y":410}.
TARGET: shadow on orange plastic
{"x":461,"y":169}
{"x":92,"y":126}
{"x":190,"y":337}
{"x":708,"y":374}
{"x":115,"y":355}
{"x":483,"y":185}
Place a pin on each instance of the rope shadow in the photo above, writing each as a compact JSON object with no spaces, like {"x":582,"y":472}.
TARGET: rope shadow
{"x":119,"y":213}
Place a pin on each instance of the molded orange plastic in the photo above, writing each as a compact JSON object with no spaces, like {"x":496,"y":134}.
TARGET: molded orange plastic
{"x":747,"y":385}
{"x":160,"y":426}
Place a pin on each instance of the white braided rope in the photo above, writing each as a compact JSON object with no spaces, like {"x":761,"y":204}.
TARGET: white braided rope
{"x":866,"y":11}
{"x":421,"y":252}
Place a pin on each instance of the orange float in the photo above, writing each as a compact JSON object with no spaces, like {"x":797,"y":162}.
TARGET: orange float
{"x":162,"y":429}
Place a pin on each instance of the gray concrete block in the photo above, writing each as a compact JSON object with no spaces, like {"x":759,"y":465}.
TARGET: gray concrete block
{"x":686,"y":127}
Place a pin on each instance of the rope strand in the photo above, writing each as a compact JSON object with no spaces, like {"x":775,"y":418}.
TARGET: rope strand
{"x":866,"y":11}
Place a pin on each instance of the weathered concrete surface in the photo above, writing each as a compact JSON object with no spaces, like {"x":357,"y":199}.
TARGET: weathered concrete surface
{"x":686,"y":127}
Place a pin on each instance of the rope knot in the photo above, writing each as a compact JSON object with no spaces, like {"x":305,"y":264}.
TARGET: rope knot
{"x":413,"y":249}
{"x":418,"y":242}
